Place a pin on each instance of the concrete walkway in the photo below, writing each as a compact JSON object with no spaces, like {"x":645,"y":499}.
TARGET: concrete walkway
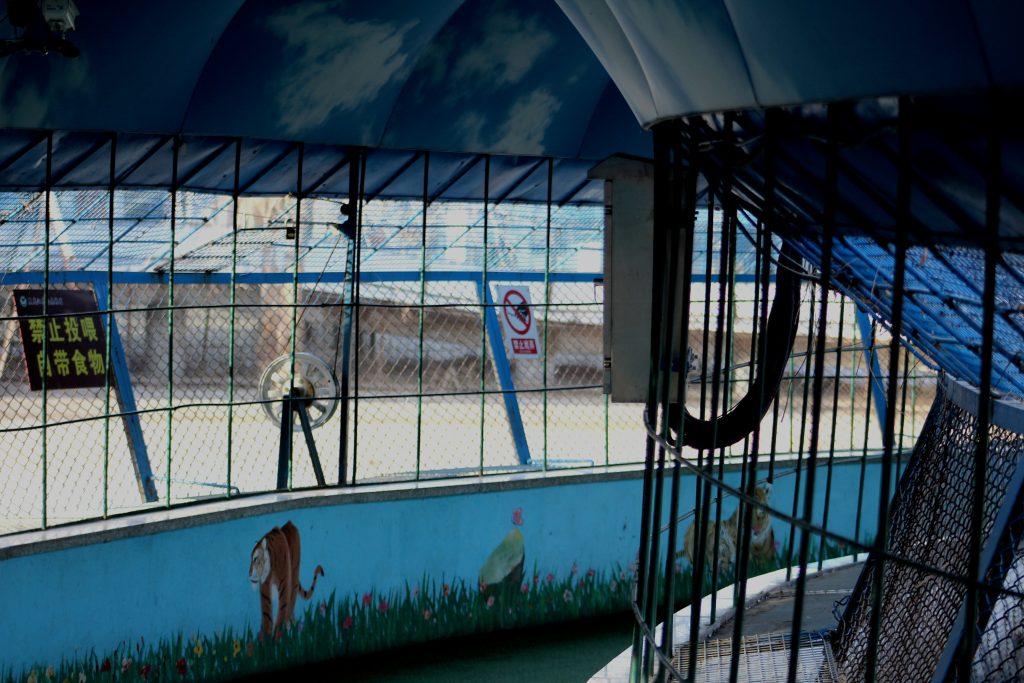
{"x":769,"y":609}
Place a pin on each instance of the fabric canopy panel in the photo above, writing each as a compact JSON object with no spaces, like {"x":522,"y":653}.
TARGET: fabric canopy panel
{"x":673,"y":59}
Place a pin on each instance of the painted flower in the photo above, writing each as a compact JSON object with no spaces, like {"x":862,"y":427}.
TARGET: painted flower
{"x":517,"y":516}
{"x":32,"y":678}
{"x":322,"y":608}
{"x":633,"y":567}
{"x":525,"y":588}
{"x":445,"y":590}
{"x":126,"y":664}
{"x":144,"y":671}
{"x":483,"y":586}
{"x":427,"y":614}
{"x":490,"y":602}
{"x":550,"y":578}
{"x":236,"y":648}
{"x":198,"y":649}
{"x":82,"y":677}
{"x":622,"y":575}
{"x":567,"y":595}
{"x":367,"y":599}
{"x":579,"y":584}
{"x":182,"y":667}
{"x":591,"y":573}
{"x":249,"y":648}
{"x":536,"y":579}
{"x":49,"y":672}
{"x":575,"y":569}
{"x":347,"y":624}
{"x":105,"y":666}
{"x":382,"y":606}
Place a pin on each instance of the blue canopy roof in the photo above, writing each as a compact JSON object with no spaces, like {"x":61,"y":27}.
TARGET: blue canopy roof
{"x":447,"y":75}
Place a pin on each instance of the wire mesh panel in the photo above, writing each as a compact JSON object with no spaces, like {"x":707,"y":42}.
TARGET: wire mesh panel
{"x":1000,"y":653}
{"x":930,"y":524}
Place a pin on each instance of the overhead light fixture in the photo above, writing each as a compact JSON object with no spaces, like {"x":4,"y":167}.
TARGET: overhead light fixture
{"x":40,"y":26}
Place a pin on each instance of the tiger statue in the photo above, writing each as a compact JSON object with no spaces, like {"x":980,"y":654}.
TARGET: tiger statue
{"x":274,"y":571}
{"x":762,"y":537}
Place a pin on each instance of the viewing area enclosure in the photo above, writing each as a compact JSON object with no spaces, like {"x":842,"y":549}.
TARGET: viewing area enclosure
{"x":206,"y":287}
{"x":758,"y":265}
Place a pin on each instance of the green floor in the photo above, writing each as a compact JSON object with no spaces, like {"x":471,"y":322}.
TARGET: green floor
{"x":564,"y":653}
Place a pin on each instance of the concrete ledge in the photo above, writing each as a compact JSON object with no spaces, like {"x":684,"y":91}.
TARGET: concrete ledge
{"x":163,"y":519}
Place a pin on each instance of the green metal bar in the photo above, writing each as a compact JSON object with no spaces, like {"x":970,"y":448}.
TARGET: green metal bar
{"x":853,"y":381}
{"x":422,"y":311}
{"x":606,"y":460}
{"x":483,"y":312}
{"x":903,"y":410}
{"x":295,"y":306}
{"x":547,"y":305}
{"x":232,"y":297}
{"x":46,"y":302}
{"x":109,"y":322}
{"x":720,"y":388}
{"x":832,"y":434}
{"x":806,"y":380}
{"x":867,"y":434}
{"x":175,"y":150}
{"x":357,"y":275}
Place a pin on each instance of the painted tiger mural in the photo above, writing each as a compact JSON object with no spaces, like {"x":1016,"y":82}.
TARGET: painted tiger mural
{"x":274,"y":571}
{"x":762,"y":537}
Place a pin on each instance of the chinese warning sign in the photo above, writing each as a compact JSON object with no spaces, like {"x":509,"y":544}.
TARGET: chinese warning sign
{"x":518,"y":322}
{"x":75,"y":341}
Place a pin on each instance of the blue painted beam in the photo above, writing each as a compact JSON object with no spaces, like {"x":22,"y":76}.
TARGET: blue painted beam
{"x":126,"y":400}
{"x":877,"y":390}
{"x":148,"y":278}
{"x":504,"y":370}
{"x":144,"y":278}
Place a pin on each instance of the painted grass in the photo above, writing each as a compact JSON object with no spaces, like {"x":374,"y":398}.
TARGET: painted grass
{"x":360,"y":623}
{"x":350,"y":625}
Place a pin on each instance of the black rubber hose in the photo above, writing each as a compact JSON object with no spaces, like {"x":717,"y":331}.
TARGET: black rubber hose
{"x":779,"y":335}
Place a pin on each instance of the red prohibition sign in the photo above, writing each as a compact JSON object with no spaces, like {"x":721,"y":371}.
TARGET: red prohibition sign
{"x":517,"y":312}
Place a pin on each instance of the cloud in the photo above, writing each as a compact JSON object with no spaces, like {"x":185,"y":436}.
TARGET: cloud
{"x":510,"y":47}
{"x":339,"y":65}
{"x":527,"y":123}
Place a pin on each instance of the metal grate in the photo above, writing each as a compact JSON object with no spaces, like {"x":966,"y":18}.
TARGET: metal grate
{"x":763,"y":657}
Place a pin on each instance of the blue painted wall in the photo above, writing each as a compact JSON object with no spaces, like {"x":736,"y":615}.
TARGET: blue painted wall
{"x":65,"y":603}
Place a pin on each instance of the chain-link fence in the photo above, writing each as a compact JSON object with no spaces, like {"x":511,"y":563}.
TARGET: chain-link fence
{"x":433,"y":389}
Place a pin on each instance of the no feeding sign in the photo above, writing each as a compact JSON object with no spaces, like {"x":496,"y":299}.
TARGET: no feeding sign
{"x":518,"y":322}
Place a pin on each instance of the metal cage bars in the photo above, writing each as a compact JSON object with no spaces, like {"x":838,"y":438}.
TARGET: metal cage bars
{"x":679,"y":155}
